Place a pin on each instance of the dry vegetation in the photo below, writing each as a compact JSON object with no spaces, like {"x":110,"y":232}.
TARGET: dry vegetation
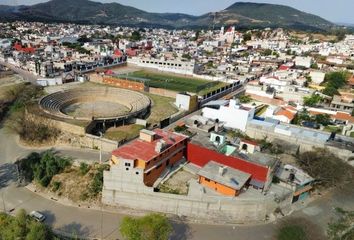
{"x":162,"y":108}
{"x":75,"y":184}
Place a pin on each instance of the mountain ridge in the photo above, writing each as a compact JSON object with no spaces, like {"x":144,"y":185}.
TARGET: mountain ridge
{"x":241,"y":14}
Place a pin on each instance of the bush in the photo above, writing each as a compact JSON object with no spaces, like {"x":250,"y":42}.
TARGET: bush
{"x":42,"y":167}
{"x":149,"y":227}
{"x":23,"y":227}
{"x":56,"y":186}
{"x":97,"y":182}
{"x":84,"y":168}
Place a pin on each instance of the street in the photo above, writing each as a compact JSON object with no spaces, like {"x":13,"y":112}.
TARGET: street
{"x":84,"y":222}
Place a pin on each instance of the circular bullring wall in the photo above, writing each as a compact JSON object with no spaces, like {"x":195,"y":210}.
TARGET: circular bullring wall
{"x":97,"y":103}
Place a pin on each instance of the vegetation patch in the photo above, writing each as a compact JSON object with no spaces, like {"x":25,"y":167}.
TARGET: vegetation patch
{"x":123,"y":133}
{"x":334,"y":81}
{"x":299,"y":229}
{"x":42,"y":167}
{"x":162,"y":108}
{"x":30,"y":130}
{"x":150,"y":227}
{"x":343,"y":227}
{"x":327,"y":169}
{"x":23,"y":226}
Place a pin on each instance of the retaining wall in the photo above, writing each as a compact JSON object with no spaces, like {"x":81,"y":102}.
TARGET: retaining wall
{"x":162,"y":92}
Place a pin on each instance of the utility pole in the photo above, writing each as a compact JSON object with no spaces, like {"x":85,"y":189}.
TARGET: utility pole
{"x":101,"y":135}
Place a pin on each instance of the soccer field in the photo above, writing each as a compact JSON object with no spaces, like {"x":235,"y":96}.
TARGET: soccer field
{"x":173,"y":82}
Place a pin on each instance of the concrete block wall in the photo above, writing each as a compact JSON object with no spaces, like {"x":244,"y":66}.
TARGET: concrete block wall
{"x":219,"y":209}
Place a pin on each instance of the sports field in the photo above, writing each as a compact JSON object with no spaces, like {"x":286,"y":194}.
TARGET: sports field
{"x":174,"y":82}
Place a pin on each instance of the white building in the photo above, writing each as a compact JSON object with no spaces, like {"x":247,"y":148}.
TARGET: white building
{"x":233,"y":115}
{"x":317,"y":77}
{"x":5,"y":43}
{"x":174,"y":66}
{"x":303,"y":62}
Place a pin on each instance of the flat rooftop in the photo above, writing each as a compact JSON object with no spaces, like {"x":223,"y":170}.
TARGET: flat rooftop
{"x":203,"y":139}
{"x":229,"y":177}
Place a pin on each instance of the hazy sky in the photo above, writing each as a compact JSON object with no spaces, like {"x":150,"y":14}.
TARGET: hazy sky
{"x":333,"y":10}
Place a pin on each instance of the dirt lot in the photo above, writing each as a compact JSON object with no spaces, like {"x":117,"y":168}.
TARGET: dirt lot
{"x":178,"y":183}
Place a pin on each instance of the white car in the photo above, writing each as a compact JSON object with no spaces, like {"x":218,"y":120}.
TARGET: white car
{"x":39,"y":217}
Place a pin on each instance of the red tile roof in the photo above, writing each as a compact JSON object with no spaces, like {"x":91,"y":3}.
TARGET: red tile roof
{"x":288,"y":114}
{"x":142,"y":150}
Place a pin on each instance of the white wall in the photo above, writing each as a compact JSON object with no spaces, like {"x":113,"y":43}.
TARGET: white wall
{"x":232,"y":115}
{"x":183,"y":101}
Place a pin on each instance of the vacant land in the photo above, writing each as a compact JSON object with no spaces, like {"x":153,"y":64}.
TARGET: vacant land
{"x":161,"y":109}
{"x":175,"y":82}
{"x":123,"y":133}
{"x":177,"y":183}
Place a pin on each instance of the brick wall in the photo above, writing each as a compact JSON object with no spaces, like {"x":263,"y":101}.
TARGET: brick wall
{"x":121,"y":83}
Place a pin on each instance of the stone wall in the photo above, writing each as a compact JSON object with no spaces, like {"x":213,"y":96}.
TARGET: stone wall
{"x":162,"y":92}
{"x":75,"y":135}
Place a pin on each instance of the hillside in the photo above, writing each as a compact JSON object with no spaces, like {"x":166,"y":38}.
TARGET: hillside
{"x":240,"y":14}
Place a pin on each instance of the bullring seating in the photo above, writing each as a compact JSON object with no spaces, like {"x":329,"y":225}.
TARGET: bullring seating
{"x":135,"y":102}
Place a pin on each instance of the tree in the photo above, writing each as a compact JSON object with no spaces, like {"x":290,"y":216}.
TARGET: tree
{"x":150,"y":227}
{"x":247,"y":37}
{"x":335,"y":81}
{"x":267,"y":52}
{"x":327,"y":169}
{"x":136,"y":36}
{"x":323,"y":119}
{"x":39,"y":231}
{"x":313,"y":100}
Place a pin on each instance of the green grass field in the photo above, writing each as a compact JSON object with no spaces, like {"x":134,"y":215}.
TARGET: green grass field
{"x":161,"y":109}
{"x":175,"y":82}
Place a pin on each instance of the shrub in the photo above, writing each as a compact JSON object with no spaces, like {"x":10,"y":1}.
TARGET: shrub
{"x":84,"y":168}
{"x":42,"y":167}
{"x":97,"y":182}
{"x":56,"y":186}
{"x":149,"y":227}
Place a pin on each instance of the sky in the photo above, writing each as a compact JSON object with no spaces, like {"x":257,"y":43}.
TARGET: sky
{"x":338,"y":11}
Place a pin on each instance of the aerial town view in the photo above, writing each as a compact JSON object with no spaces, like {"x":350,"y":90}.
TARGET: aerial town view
{"x":176,"y":120}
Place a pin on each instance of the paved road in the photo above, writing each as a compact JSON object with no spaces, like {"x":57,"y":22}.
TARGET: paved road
{"x":87,"y":222}
{"x":27,"y":76}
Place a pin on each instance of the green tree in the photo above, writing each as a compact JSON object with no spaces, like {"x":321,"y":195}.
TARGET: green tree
{"x":136,"y":36}
{"x":267,"y":52}
{"x":312,"y":100}
{"x":323,"y":119}
{"x":335,"y":81}
{"x":149,"y":227}
{"x":39,"y":231}
{"x":247,"y":37}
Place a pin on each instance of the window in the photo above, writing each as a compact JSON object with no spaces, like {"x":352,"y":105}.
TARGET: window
{"x":137,"y":173}
{"x":127,"y":169}
{"x":127,"y":164}
{"x":207,"y":179}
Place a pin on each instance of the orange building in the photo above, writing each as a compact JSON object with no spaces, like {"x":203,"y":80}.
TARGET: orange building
{"x":151,"y":154}
{"x":222,"y":179}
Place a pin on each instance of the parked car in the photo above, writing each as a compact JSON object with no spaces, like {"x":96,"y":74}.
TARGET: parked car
{"x":39,"y":217}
